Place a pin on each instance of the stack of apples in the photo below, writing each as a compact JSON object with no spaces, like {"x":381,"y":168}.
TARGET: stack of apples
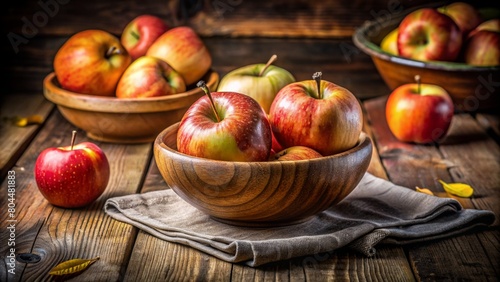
{"x":455,"y":33}
{"x":305,"y":120}
{"x":150,"y":59}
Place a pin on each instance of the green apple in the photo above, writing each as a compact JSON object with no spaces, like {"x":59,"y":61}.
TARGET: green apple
{"x":259,"y":81}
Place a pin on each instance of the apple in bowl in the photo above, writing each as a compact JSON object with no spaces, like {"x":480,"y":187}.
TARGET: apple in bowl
{"x":259,"y":81}
{"x":91,"y":62}
{"x":140,"y":33}
{"x":149,"y":77}
{"x":317,"y":114}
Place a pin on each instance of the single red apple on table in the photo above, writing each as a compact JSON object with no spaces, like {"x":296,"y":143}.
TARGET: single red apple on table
{"x":259,"y":81}
{"x":140,"y":33}
{"x":419,"y":113}
{"x":465,"y":15}
{"x":72,"y":176}
{"x":149,"y":77}
{"x":483,"y":48}
{"x":317,"y":114}
{"x":184,"y":51}
{"x":226,"y":126}
{"x":428,"y":35}
{"x":91,"y":62}
{"x":296,"y":153}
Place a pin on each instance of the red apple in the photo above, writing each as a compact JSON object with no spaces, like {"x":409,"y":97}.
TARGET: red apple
{"x":227,"y":126}
{"x":296,"y":153}
{"x":259,"y":81}
{"x":465,"y":15}
{"x":483,"y":48}
{"x":428,"y":35}
{"x":91,"y":62}
{"x":317,"y":114}
{"x":149,"y":77}
{"x":72,"y":176}
{"x":184,"y":50}
{"x":419,"y":113}
{"x":491,"y":25}
{"x":140,"y":33}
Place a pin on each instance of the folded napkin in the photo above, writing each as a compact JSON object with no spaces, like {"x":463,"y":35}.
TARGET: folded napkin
{"x":377,"y":211}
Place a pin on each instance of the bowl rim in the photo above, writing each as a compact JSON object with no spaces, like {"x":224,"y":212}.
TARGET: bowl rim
{"x":111,"y":104}
{"x":361,"y":39}
{"x":364,"y":141}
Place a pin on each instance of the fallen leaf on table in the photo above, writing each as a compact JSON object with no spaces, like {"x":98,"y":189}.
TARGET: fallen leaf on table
{"x":72,"y":266}
{"x":458,"y":189}
{"x":424,"y":190}
{"x":29,"y":120}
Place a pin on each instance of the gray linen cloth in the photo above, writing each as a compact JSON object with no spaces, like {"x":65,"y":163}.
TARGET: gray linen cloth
{"x":377,"y":211}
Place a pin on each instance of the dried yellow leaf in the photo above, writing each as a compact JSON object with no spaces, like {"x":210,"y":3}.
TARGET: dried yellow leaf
{"x":458,"y":189}
{"x":29,"y":120}
{"x":424,"y":190}
{"x":72,"y":266}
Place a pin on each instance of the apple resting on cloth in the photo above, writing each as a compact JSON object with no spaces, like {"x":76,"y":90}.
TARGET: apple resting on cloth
{"x":419,"y":113}
{"x":140,"y":33}
{"x":428,"y":35}
{"x":72,"y":176}
{"x":260,"y":81}
{"x":225,"y":126}
{"x":149,"y":77}
{"x":317,"y":114}
{"x":296,"y":153}
{"x":184,"y":51}
{"x":91,"y":62}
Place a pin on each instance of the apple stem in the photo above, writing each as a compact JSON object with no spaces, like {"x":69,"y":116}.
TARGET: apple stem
{"x":271,"y":60}
{"x":417,"y":79}
{"x":317,"y":76}
{"x":201,"y":84}
{"x":112,"y":51}
{"x":135,"y":35}
{"x":73,"y":138}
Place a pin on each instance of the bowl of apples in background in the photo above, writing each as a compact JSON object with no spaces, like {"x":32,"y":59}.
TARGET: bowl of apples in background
{"x":455,"y":46}
{"x":128,"y":89}
{"x":244,"y":166}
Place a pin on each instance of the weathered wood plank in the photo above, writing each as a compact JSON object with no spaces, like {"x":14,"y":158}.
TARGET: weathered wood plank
{"x":14,"y":139}
{"x":438,"y":162}
{"x":58,"y":234}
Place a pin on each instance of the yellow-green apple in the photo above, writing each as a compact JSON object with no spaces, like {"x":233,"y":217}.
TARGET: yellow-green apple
{"x":91,"y":62}
{"x":465,"y":15}
{"x":483,"y":48}
{"x":140,"y":33}
{"x":296,"y":153}
{"x":149,"y":77}
{"x":317,"y":114}
{"x":72,"y":176}
{"x":227,"y":126}
{"x":183,"y":49}
{"x":389,"y":43}
{"x":428,"y":35}
{"x":259,"y":81}
{"x":419,"y":113}
{"x":491,"y":25}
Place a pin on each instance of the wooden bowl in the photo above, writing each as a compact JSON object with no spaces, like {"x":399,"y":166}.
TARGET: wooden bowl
{"x":118,"y":120}
{"x":260,"y":194}
{"x":472,"y":88}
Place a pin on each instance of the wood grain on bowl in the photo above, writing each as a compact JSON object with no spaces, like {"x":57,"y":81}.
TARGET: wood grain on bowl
{"x":266,"y":193}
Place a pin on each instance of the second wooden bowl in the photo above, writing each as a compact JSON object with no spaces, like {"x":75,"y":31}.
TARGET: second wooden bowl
{"x":116,"y":120}
{"x":260,"y":194}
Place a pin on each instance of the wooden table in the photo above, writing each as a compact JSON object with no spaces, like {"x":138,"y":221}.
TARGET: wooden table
{"x":470,"y":154}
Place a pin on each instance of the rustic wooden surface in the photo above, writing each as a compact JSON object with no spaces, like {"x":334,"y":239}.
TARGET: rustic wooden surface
{"x":469,"y":154}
